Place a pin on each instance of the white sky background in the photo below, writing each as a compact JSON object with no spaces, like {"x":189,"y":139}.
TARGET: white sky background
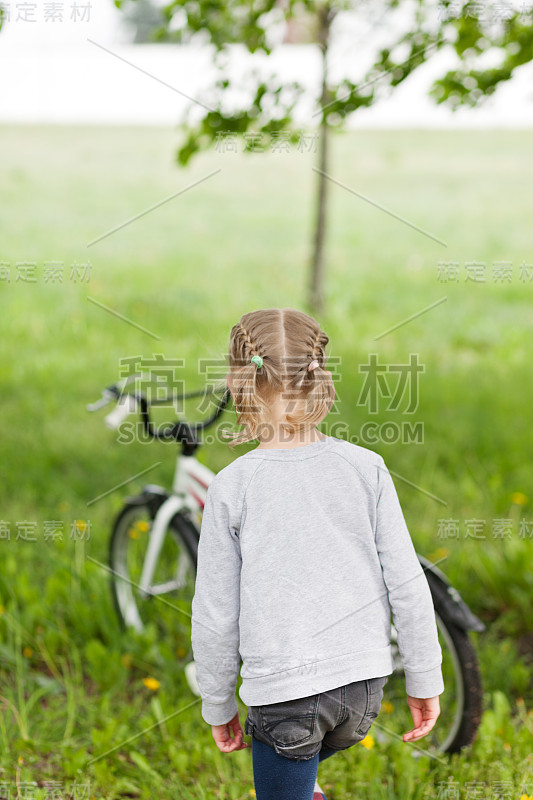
{"x":52,"y":73}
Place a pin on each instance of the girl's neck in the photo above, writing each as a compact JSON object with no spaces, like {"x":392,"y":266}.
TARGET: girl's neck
{"x":279,"y":439}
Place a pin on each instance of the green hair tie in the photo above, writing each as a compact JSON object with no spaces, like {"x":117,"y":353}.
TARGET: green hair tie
{"x":257,"y":360}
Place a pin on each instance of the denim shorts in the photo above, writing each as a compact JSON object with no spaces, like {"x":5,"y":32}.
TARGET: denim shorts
{"x":339,"y":718}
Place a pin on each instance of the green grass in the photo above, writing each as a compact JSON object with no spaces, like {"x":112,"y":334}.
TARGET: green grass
{"x":187,"y":271}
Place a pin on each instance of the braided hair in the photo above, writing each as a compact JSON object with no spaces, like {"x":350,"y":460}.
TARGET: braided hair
{"x":287,"y":342}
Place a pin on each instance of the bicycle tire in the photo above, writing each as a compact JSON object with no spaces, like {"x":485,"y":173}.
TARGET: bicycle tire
{"x":469,"y":715}
{"x":181,"y":528}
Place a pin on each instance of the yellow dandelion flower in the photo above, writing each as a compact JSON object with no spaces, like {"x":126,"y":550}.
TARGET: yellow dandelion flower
{"x":525,"y":797}
{"x":20,"y":760}
{"x":151,"y":683}
{"x":519,"y":498}
{"x":126,"y":660}
{"x":27,"y":652}
{"x":440,"y":552}
{"x":367,"y":742}
{"x":252,"y":793}
{"x":141,"y":526}
{"x":387,"y":707}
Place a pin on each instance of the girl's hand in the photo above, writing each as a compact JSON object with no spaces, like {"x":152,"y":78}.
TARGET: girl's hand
{"x":425,"y":712}
{"x":222,"y":736}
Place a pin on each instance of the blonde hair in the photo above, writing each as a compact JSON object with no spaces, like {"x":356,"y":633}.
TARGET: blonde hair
{"x":287,"y":340}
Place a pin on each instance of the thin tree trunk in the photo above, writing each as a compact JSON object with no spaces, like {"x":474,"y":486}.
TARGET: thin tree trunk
{"x":316,"y":296}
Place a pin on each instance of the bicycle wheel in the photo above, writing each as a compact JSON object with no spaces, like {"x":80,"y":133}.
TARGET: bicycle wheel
{"x":167,"y":605}
{"x":461,"y":703}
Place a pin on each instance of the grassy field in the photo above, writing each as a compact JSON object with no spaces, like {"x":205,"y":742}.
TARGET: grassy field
{"x":76,"y":704}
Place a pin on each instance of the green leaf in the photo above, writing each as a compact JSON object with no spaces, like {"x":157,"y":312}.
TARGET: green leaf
{"x":271,"y":102}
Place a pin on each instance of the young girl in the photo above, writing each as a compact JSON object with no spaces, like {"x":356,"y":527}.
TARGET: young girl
{"x":303,"y":555}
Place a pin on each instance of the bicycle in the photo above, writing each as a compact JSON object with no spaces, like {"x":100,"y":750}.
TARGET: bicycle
{"x":153,"y":553}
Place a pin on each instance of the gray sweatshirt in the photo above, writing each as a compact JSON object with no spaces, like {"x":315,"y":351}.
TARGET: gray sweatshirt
{"x":303,"y":555}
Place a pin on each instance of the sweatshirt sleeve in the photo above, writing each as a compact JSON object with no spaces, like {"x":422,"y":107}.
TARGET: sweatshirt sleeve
{"x":409,"y":594}
{"x":215,"y":610}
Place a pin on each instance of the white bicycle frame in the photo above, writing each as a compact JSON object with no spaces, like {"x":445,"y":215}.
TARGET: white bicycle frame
{"x":189,"y":490}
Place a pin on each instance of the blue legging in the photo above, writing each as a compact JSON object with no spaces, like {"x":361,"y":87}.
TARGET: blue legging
{"x":280,"y":778}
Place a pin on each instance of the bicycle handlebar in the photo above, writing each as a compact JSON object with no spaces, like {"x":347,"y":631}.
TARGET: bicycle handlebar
{"x":125,"y":406}
{"x":178,"y":431}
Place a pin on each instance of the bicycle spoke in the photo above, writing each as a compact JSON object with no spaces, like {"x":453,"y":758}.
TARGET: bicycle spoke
{"x":166,"y":606}
{"x":395,"y":713}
